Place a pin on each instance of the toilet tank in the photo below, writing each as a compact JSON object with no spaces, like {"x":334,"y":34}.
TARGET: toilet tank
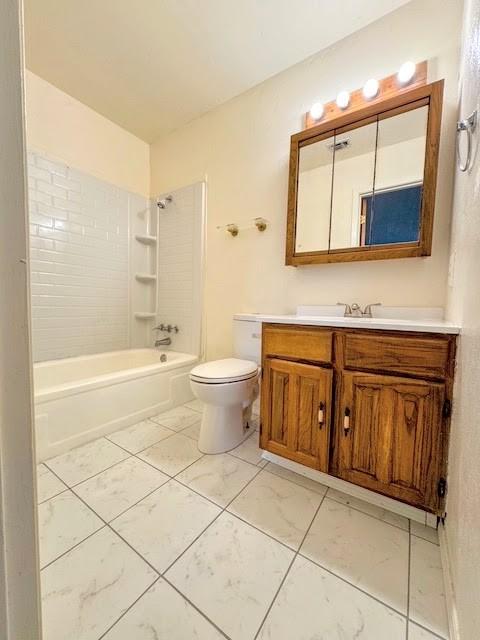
{"x":247,"y":340}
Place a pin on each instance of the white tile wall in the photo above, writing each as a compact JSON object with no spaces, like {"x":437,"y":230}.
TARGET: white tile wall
{"x":79,"y":261}
{"x":179,"y":268}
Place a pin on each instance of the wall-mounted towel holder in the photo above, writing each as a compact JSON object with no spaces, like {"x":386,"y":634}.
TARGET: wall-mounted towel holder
{"x":233,"y":229}
{"x":468,"y":125}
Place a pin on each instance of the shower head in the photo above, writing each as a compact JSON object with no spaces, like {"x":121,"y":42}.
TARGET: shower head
{"x":163,"y":202}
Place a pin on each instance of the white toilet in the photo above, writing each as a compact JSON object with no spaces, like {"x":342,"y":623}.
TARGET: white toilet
{"x":228,"y":389}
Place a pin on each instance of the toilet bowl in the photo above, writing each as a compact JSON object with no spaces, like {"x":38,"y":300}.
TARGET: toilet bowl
{"x":227,"y":388}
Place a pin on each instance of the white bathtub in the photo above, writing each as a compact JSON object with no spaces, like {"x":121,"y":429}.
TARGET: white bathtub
{"x":80,"y":399}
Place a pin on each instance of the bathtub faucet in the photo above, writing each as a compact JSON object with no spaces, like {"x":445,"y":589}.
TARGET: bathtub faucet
{"x":163,"y":342}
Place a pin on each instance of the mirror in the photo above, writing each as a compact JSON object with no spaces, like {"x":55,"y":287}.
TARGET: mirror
{"x":392,"y":213}
{"x":315,"y":168}
{"x":354,"y":162}
{"x":363,"y":188}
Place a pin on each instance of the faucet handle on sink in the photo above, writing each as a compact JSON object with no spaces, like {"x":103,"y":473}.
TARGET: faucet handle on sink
{"x":348,"y":308}
{"x":367,"y":312}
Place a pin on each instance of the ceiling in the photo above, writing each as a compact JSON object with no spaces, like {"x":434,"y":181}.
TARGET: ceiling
{"x":153,"y":65}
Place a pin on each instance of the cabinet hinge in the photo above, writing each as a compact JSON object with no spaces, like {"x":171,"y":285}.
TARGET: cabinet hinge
{"x":442,"y":488}
{"x":447,"y":409}
{"x":261,"y":428}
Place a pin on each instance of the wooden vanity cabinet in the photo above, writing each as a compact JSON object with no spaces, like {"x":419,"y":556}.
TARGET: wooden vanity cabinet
{"x":296,"y":411}
{"x":389,"y":435}
{"x":370,"y":407}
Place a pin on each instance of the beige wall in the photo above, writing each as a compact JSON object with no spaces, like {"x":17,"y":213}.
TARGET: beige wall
{"x":242,"y":148}
{"x":67,"y":130}
{"x":463,"y":504}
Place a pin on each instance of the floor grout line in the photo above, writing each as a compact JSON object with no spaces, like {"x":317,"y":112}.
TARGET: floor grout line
{"x":222,"y":510}
{"x":195,"y":607}
{"x":46,"y":463}
{"x":54,"y":496}
{"x":73,"y":547}
{"x":355,"y":586}
{"x":349,"y":506}
{"x":422,"y":626}
{"x":150,"y":445}
{"x":288,"y":570}
{"x":130,"y":607}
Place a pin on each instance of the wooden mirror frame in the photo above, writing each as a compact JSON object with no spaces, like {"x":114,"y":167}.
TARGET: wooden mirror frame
{"x":429,"y":94}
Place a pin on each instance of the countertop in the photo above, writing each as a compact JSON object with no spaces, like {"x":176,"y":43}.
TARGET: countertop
{"x":434,"y":325}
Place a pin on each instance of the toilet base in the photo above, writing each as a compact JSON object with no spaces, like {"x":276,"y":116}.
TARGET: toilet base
{"x":223,"y":428}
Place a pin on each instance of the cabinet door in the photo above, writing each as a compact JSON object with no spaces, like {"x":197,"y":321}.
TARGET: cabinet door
{"x":389,"y":436}
{"x":296,"y":409}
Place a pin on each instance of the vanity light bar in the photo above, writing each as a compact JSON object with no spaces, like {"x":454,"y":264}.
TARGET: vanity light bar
{"x":409,"y":76}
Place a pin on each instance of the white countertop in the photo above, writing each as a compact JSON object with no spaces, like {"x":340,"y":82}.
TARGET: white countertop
{"x":435,"y":325}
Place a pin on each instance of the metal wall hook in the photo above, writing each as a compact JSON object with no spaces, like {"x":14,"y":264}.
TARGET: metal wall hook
{"x":468,"y":125}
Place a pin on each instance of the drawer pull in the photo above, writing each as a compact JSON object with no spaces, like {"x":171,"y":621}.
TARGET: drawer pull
{"x":321,"y":408}
{"x":346,"y":421}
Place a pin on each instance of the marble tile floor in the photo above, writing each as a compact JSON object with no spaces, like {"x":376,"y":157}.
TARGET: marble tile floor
{"x":144,"y":537}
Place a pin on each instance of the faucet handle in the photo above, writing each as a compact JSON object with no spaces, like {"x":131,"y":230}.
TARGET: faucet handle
{"x":368,"y":309}
{"x":348,"y":308}
{"x":160,"y":327}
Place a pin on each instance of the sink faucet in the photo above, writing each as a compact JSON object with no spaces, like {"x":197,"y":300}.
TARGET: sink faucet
{"x":163,"y":342}
{"x":354,"y":310}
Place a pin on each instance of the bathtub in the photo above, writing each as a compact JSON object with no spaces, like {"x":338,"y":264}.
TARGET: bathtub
{"x":80,"y":399}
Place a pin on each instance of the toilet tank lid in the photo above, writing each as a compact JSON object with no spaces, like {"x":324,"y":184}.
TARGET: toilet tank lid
{"x":224,"y":369}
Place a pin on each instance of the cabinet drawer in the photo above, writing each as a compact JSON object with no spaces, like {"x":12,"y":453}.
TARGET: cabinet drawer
{"x":420,"y":356}
{"x":298,"y":343}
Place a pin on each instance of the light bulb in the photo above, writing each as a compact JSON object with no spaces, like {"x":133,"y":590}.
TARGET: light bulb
{"x":406,"y":72}
{"x":370,"y":89}
{"x":343,"y":100}
{"x":316,"y":111}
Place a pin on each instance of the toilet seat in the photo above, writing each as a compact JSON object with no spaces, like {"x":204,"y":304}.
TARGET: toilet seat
{"x":224,"y":371}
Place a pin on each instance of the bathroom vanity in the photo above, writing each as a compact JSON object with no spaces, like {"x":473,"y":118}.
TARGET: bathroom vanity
{"x":367,"y":401}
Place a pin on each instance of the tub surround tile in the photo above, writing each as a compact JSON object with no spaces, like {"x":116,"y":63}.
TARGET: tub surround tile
{"x":48,"y":485}
{"x":371,"y":509}
{"x":427,"y":596}
{"x":249,"y":450}
{"x":195,"y":405}
{"x":163,"y":613}
{"x":161,"y":526}
{"x":418,"y":633}
{"x":172,"y":455}
{"x":220,"y":478}
{"x":313,"y":603}
{"x":422,"y":531}
{"x":113,"y":491}
{"x":363,"y":550}
{"x":140,"y":436}
{"x":232,"y":573}
{"x":86,"y":461}
{"x":278,"y":507}
{"x":85,"y":591}
{"x":63,"y":522}
{"x":177,"y":419}
{"x":297,"y":478}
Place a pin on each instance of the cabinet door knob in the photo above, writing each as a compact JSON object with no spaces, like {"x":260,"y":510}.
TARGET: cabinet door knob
{"x":321,"y":409}
{"x":346,"y":421}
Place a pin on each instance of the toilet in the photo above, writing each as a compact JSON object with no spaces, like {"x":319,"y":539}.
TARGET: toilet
{"x":228,"y":388}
